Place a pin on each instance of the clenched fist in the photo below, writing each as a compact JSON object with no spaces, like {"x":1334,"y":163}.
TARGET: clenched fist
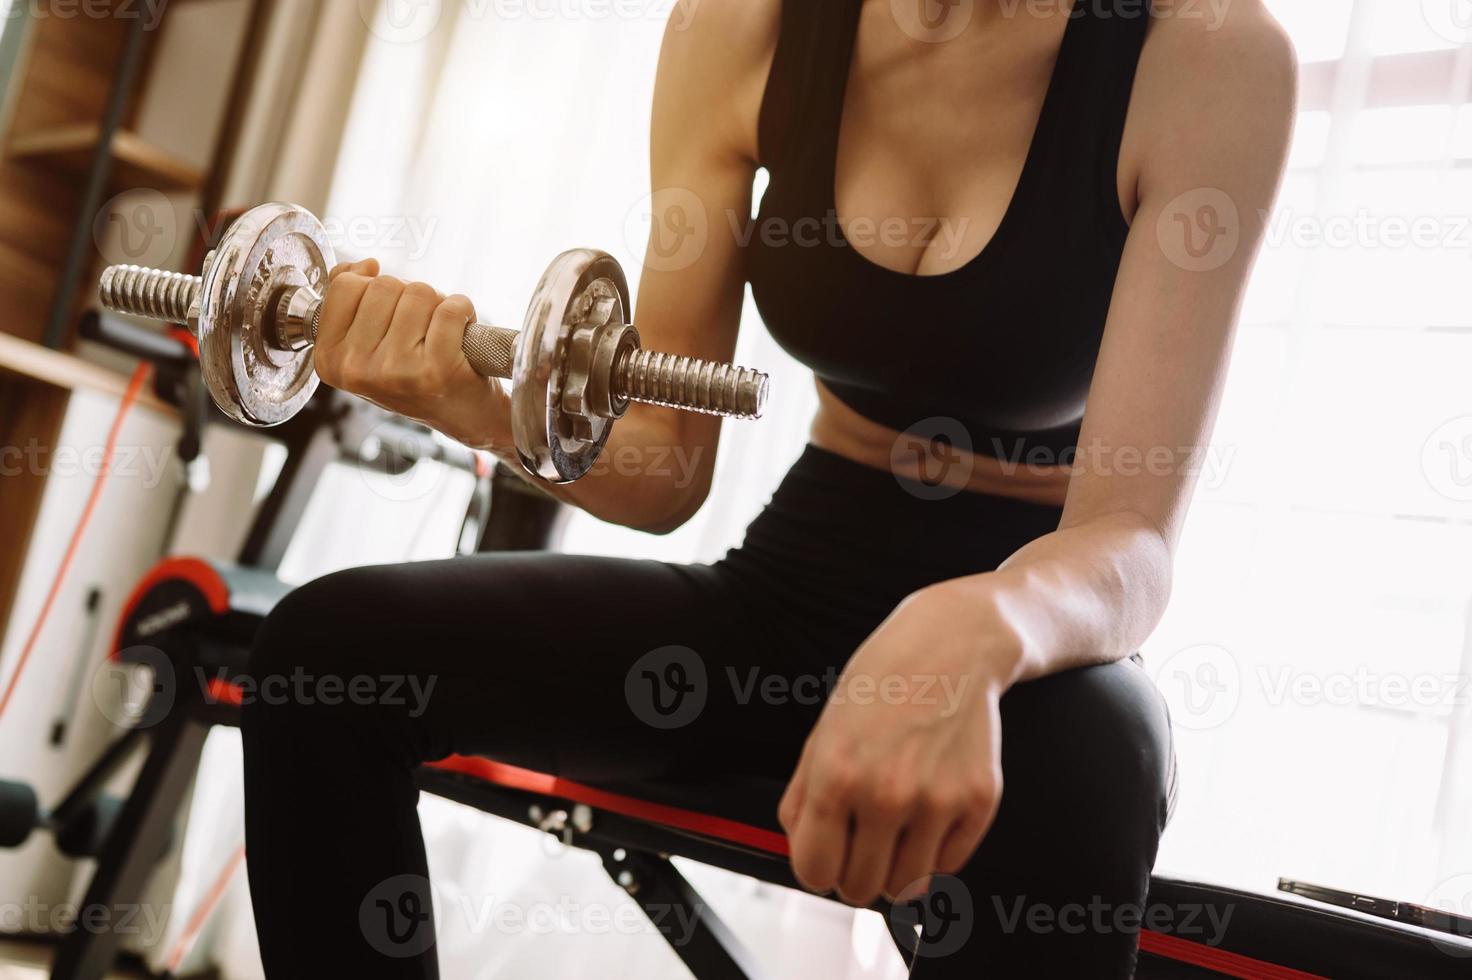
{"x":397,"y":344}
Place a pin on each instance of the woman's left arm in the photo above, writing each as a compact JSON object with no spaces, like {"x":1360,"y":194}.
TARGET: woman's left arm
{"x":890,"y":789}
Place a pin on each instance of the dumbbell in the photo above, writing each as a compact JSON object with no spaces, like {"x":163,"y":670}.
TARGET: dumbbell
{"x":82,"y":834}
{"x":575,"y":366}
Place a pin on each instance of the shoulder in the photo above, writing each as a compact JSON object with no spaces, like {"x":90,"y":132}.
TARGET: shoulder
{"x":714,"y":62}
{"x":1220,"y":53}
{"x":1217,"y":85}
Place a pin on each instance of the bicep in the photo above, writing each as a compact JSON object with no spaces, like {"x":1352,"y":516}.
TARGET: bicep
{"x":701,"y":172}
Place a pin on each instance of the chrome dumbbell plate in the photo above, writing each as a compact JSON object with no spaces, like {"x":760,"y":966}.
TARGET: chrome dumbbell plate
{"x":268,"y":250}
{"x":582,"y":289}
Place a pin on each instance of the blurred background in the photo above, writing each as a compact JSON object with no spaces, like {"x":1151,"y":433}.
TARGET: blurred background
{"x":1316,"y":654}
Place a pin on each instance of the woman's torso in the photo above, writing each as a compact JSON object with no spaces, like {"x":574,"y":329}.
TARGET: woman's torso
{"x":943,"y":226}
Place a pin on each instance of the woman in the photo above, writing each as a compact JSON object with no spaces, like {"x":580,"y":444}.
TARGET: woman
{"x":980,"y":217}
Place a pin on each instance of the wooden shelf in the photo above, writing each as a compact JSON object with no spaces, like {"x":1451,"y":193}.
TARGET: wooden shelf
{"x":69,"y":372}
{"x":136,"y":162}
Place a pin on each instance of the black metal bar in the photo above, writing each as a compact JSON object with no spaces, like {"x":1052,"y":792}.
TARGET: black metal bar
{"x":85,"y":789}
{"x":311,"y":445}
{"x":99,"y":172}
{"x":522,"y":518}
{"x":707,"y":946}
{"x":134,"y":846}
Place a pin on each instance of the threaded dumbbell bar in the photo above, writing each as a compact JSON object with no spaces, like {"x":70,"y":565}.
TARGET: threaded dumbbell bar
{"x":687,"y":383}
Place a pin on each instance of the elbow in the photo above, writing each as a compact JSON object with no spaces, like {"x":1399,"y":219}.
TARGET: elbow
{"x":1156,"y":548}
{"x":682,"y":504}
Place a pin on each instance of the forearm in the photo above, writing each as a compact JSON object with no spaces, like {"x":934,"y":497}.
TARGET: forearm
{"x":1085,"y":594}
{"x":653,"y":474}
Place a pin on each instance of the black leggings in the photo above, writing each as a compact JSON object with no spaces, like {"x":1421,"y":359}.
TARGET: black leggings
{"x":559,"y":663}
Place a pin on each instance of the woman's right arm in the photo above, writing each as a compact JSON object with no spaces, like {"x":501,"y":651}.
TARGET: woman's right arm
{"x":398,"y":344}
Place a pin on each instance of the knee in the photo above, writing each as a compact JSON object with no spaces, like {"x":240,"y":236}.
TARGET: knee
{"x":315,"y":640}
{"x":1089,"y":754}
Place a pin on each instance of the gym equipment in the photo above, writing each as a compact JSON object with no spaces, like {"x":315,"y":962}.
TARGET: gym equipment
{"x":575,"y":366}
{"x":81,"y":826}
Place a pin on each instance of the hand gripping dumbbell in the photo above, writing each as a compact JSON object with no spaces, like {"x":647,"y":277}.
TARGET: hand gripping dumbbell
{"x":574,"y":367}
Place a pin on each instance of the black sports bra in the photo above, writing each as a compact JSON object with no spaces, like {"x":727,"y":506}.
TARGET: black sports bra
{"x":1004,"y":345}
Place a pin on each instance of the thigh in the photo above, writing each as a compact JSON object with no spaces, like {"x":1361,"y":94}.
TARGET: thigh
{"x":592,"y":668}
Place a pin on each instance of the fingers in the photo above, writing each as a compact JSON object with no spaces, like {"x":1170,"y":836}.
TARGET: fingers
{"x":918,"y":852}
{"x":820,"y":843}
{"x":961,"y":842}
{"x":443,"y":353}
{"x":409,"y":325}
{"x":375,"y":314}
{"x":339,"y":308}
{"x":871,"y":857}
